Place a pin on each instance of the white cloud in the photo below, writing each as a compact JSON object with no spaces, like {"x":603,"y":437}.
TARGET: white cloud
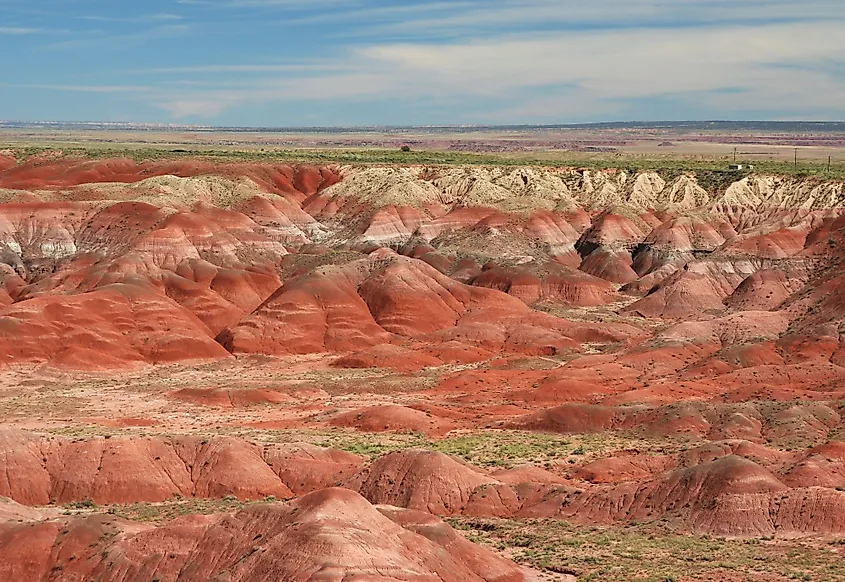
{"x":592,"y":73}
{"x":18,"y":30}
{"x":287,"y":4}
{"x":123,"y":41}
{"x":628,"y":63}
{"x":159,"y":17}
{"x":479,"y":17}
{"x":85,"y":88}
{"x":199,"y":108}
{"x":243,"y":68}
{"x":519,"y":60}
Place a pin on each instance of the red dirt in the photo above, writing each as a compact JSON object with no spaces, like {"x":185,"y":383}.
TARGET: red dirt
{"x":57,"y":173}
{"x":269,"y":541}
{"x":611,"y":265}
{"x":421,"y":480}
{"x":128,"y":469}
{"x":389,"y":356}
{"x":231,"y":398}
{"x":116,"y":327}
{"x":255,"y":301}
{"x":393,"y":418}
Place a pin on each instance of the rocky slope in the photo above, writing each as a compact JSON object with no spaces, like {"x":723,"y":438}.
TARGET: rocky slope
{"x":559,"y":301}
{"x":333,"y":534}
{"x":247,"y":249}
{"x":728,"y":486}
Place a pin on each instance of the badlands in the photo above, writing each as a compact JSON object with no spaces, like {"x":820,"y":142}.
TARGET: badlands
{"x":249,"y":371}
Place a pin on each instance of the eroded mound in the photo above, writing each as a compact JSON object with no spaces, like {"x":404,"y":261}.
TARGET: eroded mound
{"x":394,"y":418}
{"x":693,"y":332}
{"x":285,"y":260}
{"x":331,"y":534}
{"x":116,"y":327}
{"x":421,"y":480}
{"x":44,"y":470}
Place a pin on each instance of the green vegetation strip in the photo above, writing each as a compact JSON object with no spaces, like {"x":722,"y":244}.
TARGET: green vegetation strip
{"x":501,"y":448}
{"x":483,"y":448}
{"x":652,"y":553}
{"x":712,"y":172}
{"x":161,"y":512}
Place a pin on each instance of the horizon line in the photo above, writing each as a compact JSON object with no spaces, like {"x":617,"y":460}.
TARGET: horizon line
{"x":10,"y":124}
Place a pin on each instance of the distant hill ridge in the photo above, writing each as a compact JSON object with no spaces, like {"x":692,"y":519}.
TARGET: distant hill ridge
{"x":713,"y":125}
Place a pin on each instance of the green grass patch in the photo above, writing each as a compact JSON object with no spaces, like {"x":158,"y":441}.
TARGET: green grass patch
{"x":493,"y":448}
{"x":177,"y":507}
{"x":650,"y":552}
{"x":712,"y":172}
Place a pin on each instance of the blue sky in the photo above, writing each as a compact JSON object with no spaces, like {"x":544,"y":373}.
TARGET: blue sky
{"x":406,"y":62}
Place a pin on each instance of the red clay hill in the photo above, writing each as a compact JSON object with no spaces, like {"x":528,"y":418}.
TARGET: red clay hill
{"x":333,"y":534}
{"x":416,"y":303}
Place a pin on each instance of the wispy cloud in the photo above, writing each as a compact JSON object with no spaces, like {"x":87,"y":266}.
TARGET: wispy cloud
{"x":286,"y":4}
{"x":586,"y":72}
{"x":474,"y":60}
{"x":243,"y":68}
{"x":85,"y":88}
{"x":161,"y":17}
{"x":194,"y":108}
{"x":19,"y":30}
{"x":479,"y":17}
{"x":102,"y":39}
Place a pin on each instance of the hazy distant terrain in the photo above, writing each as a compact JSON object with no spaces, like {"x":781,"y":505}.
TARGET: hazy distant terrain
{"x":723,"y":126}
{"x":719,"y":140}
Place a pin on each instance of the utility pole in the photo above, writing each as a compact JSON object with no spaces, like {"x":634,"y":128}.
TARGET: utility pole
{"x":796,"y":157}
{"x":734,"y":155}
{"x":828,"y":164}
